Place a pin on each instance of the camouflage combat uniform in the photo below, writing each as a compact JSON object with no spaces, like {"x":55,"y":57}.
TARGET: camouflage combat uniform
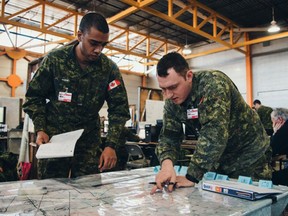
{"x":8,"y":163}
{"x":231,"y":140}
{"x":264,"y":113}
{"x":60,"y":72}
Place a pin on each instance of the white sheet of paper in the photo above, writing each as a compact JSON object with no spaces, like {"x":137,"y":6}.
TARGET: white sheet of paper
{"x":60,"y":145}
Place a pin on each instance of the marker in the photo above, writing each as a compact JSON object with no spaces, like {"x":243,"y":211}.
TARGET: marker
{"x":168,"y":183}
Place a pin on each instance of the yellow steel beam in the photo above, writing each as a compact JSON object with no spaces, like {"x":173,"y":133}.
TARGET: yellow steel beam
{"x":240,"y":44}
{"x":186,"y":26}
{"x":60,"y":20}
{"x":263,"y":39}
{"x":122,"y":14}
{"x":28,"y":53}
{"x":46,"y":29}
{"x":127,"y":52}
{"x":22,"y":11}
{"x":35,"y":28}
{"x":194,"y":27}
{"x":132,"y":72}
{"x":45,"y":44}
{"x":192,"y":7}
{"x":129,"y":11}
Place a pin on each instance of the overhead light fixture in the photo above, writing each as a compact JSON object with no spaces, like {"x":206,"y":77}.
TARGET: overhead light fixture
{"x":274,"y":27}
{"x":186,"y":50}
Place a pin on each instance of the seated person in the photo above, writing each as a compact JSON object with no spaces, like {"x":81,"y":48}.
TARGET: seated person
{"x":279,"y":142}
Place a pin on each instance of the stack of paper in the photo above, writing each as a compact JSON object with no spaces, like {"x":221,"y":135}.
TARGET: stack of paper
{"x":61,"y":145}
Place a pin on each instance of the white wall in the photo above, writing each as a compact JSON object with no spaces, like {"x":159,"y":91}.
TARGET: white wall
{"x":270,"y":73}
{"x":132,"y":83}
{"x":231,"y":62}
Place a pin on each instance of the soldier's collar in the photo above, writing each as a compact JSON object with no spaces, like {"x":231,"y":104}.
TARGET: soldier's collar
{"x":192,"y":95}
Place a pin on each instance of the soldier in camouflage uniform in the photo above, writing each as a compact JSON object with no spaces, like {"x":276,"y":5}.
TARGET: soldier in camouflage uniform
{"x":67,"y":93}
{"x":8,"y":163}
{"x":264,"y":113}
{"x":231,"y":138}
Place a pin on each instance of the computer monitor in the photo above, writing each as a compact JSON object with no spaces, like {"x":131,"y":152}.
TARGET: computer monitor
{"x":2,"y":115}
{"x":152,"y":132}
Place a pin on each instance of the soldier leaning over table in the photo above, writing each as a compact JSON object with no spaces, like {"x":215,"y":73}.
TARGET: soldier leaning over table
{"x":232,"y":139}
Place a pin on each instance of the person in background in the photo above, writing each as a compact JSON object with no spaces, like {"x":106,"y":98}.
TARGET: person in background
{"x":66,"y":94}
{"x":264,"y":114}
{"x":279,"y":142}
{"x":232,"y":140}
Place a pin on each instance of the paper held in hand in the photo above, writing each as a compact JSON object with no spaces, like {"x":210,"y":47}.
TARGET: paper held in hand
{"x":61,"y":145}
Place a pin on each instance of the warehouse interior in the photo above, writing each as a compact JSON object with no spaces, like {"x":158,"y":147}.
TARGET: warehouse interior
{"x":245,"y":39}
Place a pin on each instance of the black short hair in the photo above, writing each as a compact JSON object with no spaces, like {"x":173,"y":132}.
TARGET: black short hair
{"x":94,"y":19}
{"x":172,"y":60}
{"x":256,"y":102}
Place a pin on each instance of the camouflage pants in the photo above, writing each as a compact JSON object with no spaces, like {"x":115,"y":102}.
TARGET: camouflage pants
{"x":84,"y":162}
{"x":8,"y":163}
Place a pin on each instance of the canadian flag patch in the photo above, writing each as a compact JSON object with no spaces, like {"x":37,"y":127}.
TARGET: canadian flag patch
{"x":113,"y":84}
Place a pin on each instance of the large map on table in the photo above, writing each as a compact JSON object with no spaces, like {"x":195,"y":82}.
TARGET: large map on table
{"x":118,"y":193}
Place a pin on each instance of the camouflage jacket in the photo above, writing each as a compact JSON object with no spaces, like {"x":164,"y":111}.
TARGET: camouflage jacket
{"x":101,"y":81}
{"x":231,"y":136}
{"x":264,"y":113}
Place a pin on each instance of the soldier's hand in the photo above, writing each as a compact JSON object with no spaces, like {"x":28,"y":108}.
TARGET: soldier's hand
{"x":165,"y":177}
{"x":107,"y":159}
{"x":42,"y":137}
{"x":182,"y":181}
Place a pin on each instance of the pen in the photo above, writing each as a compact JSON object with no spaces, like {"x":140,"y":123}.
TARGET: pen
{"x":168,"y":183}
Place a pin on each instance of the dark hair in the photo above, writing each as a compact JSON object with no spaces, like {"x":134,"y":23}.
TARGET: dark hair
{"x":172,"y":60}
{"x":95,"y":20}
{"x":256,"y":102}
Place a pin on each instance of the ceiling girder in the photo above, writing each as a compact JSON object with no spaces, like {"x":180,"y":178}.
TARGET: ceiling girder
{"x":46,"y":29}
{"x":194,"y":26}
{"x":219,"y":24}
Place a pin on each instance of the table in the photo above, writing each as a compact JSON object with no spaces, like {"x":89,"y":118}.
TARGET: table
{"x":123,"y":193}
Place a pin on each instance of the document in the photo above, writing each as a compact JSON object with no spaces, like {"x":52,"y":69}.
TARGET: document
{"x":61,"y":145}
{"x":237,"y":189}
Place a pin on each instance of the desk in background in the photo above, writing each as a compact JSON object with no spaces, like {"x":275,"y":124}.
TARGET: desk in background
{"x":149,"y":150}
{"x":123,"y":193}
{"x":186,"y":144}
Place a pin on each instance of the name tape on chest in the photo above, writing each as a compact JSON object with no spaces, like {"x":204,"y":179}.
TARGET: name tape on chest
{"x":65,"y":96}
{"x":192,"y":113}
